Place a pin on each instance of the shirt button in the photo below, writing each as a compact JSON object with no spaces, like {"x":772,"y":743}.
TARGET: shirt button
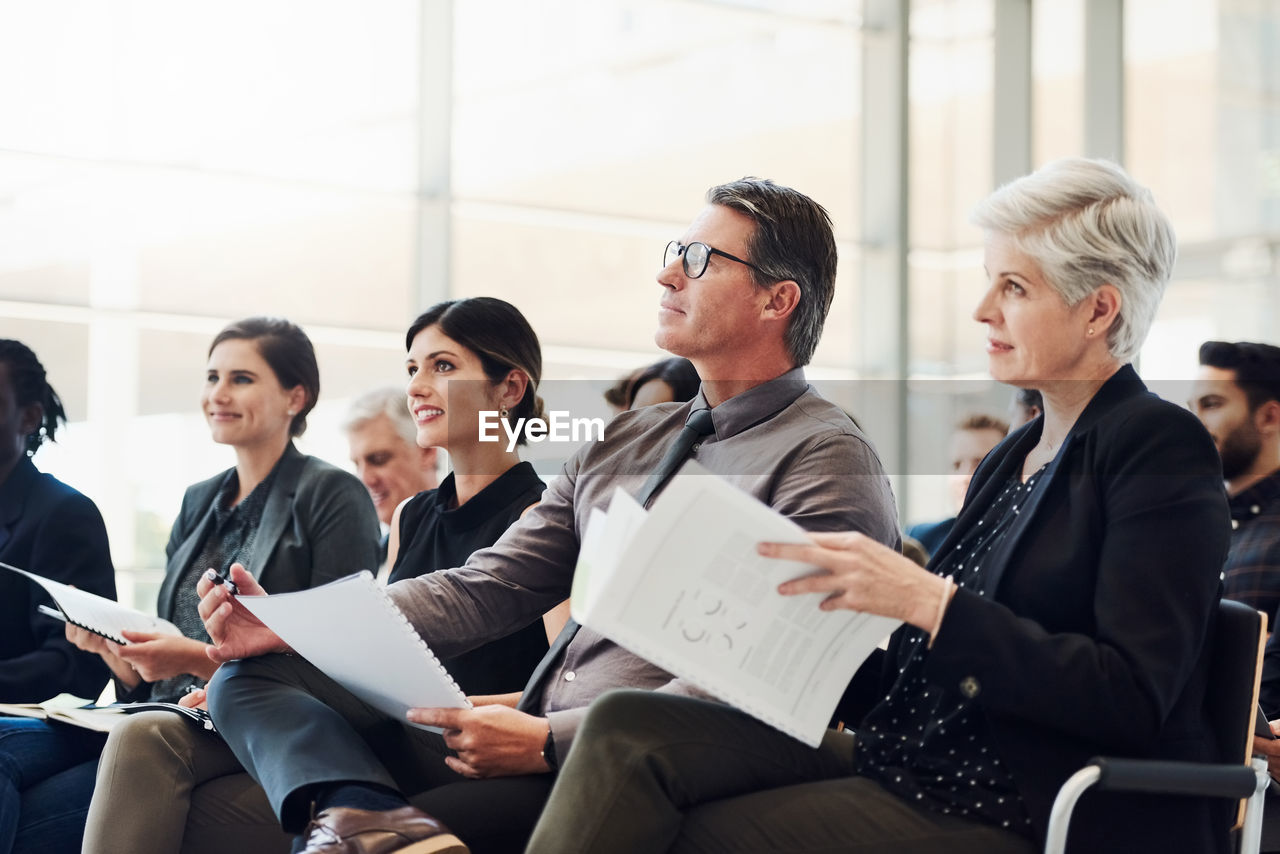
{"x":969,"y":687}
{"x":1235,"y":523}
{"x":1255,"y":509}
{"x":570,"y":676}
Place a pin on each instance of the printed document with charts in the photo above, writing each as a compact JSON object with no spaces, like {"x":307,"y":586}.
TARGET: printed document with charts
{"x":682,"y":586}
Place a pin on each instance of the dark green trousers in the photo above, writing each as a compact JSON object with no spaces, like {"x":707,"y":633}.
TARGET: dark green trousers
{"x":653,"y":772}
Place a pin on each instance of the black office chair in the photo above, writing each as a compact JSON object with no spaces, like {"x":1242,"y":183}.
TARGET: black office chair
{"x":1238,"y":641}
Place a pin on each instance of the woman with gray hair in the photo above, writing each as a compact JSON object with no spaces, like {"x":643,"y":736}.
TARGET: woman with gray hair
{"x":1064,"y":616}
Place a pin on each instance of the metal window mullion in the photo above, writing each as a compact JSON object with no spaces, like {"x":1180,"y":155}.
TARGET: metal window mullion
{"x":433,"y":220}
{"x":1011,"y":91}
{"x":884,"y":298}
{"x":1104,"y":79}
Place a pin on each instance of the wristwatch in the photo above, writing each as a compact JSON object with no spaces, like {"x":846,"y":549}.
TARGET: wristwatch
{"x":549,"y":751}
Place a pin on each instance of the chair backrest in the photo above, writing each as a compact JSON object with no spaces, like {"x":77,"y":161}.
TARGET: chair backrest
{"x":1235,"y":671}
{"x":1234,"y":653}
{"x":1236,"y":666}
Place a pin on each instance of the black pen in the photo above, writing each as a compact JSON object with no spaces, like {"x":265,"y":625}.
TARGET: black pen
{"x":218,"y":578}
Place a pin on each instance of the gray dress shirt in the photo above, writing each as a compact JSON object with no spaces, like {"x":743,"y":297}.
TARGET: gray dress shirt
{"x":779,"y":441}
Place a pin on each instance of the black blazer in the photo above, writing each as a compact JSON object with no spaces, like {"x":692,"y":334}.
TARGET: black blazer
{"x":1094,"y":642}
{"x":319,"y":524}
{"x":48,"y":528}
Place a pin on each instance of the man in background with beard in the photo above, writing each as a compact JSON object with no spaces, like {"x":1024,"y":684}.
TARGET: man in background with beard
{"x":1237,"y":398}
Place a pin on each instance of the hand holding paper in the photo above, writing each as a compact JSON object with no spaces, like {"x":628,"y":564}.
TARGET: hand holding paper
{"x":95,"y":643}
{"x":95,"y":613}
{"x":863,"y":575}
{"x":353,"y":632}
{"x":156,"y":656}
{"x":684,"y":587}
{"x":234,"y":630}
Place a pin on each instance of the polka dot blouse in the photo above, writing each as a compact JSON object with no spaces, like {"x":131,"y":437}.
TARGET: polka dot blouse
{"x":932,"y":746}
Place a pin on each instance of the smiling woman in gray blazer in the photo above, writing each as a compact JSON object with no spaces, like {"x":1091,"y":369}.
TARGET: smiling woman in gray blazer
{"x":294,"y":521}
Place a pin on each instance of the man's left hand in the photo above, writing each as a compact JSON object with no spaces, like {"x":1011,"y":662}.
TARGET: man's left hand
{"x":491,"y":741}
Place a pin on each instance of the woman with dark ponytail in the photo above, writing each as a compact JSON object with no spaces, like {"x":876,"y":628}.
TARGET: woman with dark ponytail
{"x":466,"y":357}
{"x":48,"y":528}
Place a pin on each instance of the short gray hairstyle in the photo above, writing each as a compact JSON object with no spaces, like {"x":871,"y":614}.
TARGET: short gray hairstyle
{"x":793,"y":239}
{"x":389,"y":401}
{"x":1088,"y":223}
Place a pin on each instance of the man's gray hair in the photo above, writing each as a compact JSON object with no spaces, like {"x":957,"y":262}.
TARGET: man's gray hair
{"x":793,"y":239}
{"x":388,"y":401}
{"x":1088,"y":223}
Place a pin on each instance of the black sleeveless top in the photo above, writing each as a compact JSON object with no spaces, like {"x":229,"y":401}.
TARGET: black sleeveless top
{"x":434,"y":534}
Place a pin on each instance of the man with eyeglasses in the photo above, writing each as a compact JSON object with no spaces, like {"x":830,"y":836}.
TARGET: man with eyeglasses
{"x":745,"y":292}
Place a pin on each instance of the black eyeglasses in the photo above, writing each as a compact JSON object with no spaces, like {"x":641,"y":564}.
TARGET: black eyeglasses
{"x":696,"y":255}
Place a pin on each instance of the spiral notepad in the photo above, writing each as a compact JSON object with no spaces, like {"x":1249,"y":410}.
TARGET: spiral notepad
{"x":352,"y":631}
{"x":102,"y":616}
{"x":73,"y":711}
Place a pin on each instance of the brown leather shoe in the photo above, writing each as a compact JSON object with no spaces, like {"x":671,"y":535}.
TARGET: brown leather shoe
{"x":407,"y":830}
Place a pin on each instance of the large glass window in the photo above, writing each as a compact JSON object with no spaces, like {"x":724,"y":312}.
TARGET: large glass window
{"x":1203,"y":129}
{"x":572,"y":167}
{"x":167,"y":168}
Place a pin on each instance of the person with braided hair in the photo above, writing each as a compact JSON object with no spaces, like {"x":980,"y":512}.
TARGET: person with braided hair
{"x":48,"y":528}
{"x":293,"y":519}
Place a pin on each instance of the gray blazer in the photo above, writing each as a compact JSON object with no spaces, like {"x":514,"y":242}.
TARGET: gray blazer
{"x":319,"y":524}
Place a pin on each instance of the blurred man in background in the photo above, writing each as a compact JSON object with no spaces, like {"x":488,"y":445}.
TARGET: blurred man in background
{"x":972,"y":439}
{"x":381,"y":432}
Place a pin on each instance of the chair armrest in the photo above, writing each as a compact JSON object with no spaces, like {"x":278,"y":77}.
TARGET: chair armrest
{"x":1175,"y":778}
{"x":1200,"y":779}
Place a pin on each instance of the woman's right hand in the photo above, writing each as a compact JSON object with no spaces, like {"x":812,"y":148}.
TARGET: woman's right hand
{"x":234,"y":631}
{"x":90,"y":642}
{"x":863,"y":575}
{"x":196,"y":698}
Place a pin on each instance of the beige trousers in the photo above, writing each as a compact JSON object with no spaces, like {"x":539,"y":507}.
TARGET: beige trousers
{"x":166,"y":786}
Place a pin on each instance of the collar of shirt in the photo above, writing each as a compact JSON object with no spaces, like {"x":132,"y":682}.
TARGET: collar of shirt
{"x":252,"y":503}
{"x":222,"y":505}
{"x":13,"y":491}
{"x":1256,"y":498}
{"x":756,"y":404}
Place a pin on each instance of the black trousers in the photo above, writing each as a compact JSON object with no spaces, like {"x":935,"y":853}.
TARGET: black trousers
{"x":294,"y":729}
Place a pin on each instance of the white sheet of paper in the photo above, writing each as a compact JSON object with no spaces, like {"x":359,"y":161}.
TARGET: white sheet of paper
{"x":608,"y":534}
{"x":350,"y":630}
{"x":686,"y":590}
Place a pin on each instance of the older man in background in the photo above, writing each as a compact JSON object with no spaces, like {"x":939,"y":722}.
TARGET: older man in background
{"x":381,"y":435}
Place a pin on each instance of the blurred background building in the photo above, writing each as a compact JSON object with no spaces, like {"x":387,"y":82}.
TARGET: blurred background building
{"x":167,"y":167}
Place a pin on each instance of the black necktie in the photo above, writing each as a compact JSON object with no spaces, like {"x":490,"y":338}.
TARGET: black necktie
{"x":695,"y":427}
